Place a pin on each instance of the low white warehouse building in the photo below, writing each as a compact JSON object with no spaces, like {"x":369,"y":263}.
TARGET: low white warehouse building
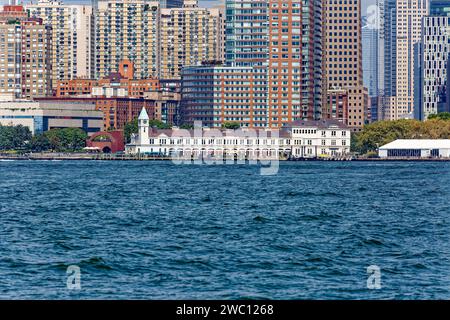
{"x":415,"y":148}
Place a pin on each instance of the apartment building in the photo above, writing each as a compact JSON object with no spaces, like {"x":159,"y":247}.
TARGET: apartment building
{"x":25,"y":58}
{"x":431,"y":87}
{"x":189,"y":36}
{"x":343,"y":58}
{"x":404,"y":28}
{"x":127,"y":29}
{"x":218,"y":94}
{"x":72,"y":54}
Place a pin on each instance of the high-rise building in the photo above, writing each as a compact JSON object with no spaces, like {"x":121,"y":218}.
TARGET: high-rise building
{"x":247,"y":32}
{"x":283,"y":42}
{"x":344,"y":58}
{"x":12,"y":11}
{"x":378,"y":20}
{"x":25,"y":64}
{"x":432,"y":61}
{"x":159,"y":41}
{"x":126,"y":30}
{"x":162,"y":3}
{"x":370,"y":58}
{"x":171,"y":3}
{"x":72,"y":51}
{"x":403,"y":26}
{"x":389,"y":49}
{"x":440,"y":8}
{"x":189,"y":36}
{"x":215,"y":95}
{"x":294,"y":66}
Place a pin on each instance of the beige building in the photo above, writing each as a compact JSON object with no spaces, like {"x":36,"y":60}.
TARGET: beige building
{"x":72,"y":55}
{"x":159,"y":41}
{"x":44,"y":115}
{"x":25,"y":66}
{"x":127,"y":29}
{"x":407,"y":31}
{"x":343,"y":64}
{"x":189,"y":36}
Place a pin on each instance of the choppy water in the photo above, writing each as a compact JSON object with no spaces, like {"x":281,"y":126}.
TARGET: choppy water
{"x":155,"y":230}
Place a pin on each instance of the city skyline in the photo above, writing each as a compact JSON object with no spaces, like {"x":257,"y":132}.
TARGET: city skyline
{"x":207,"y":3}
{"x":290,"y":61}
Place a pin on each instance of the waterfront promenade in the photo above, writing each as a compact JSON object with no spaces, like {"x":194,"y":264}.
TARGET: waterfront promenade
{"x":143,"y":157}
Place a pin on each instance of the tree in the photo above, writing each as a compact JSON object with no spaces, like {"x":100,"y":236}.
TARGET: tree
{"x":440,"y":116}
{"x":40,"y":143}
{"x":73,"y":139}
{"x":159,"y":124}
{"x":67,"y":139}
{"x":231,"y":125}
{"x":130,"y":128}
{"x":187,"y":126}
{"x":14,"y":137}
{"x":380,"y":133}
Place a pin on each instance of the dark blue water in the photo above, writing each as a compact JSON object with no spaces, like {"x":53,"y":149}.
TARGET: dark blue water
{"x":155,"y":230}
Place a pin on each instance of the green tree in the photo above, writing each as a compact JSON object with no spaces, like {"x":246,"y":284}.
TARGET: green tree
{"x":40,"y":143}
{"x":67,"y":139}
{"x":231,"y":125}
{"x":159,"y":124}
{"x":187,"y":126}
{"x":440,"y":116}
{"x":380,"y":133}
{"x":130,"y":128}
{"x":14,"y":137}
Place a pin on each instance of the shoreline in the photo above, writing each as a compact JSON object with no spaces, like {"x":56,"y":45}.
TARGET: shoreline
{"x":109,"y":157}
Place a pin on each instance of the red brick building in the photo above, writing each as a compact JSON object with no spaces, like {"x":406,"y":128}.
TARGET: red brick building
{"x":336,"y":106}
{"x":107,"y":142}
{"x":117,"y":111}
{"x":13,"y":12}
{"x":123,"y":79}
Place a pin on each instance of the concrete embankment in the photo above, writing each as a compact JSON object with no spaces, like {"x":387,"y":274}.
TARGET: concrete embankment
{"x":140,"y":157}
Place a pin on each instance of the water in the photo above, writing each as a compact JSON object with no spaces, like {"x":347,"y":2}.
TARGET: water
{"x":155,"y":230}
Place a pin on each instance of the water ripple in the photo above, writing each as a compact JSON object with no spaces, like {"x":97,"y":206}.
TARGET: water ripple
{"x":154,"y":230}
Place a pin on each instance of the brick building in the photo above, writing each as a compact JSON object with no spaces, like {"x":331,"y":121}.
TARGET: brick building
{"x":123,"y":79}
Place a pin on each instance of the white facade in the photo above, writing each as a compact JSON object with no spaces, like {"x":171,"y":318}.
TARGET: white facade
{"x":413,"y":148}
{"x":314,"y":141}
{"x":306,"y":139}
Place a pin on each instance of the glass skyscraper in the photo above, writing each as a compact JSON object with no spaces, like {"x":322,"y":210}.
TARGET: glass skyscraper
{"x":440,"y":8}
{"x":246,"y":32}
{"x":370,"y":58}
